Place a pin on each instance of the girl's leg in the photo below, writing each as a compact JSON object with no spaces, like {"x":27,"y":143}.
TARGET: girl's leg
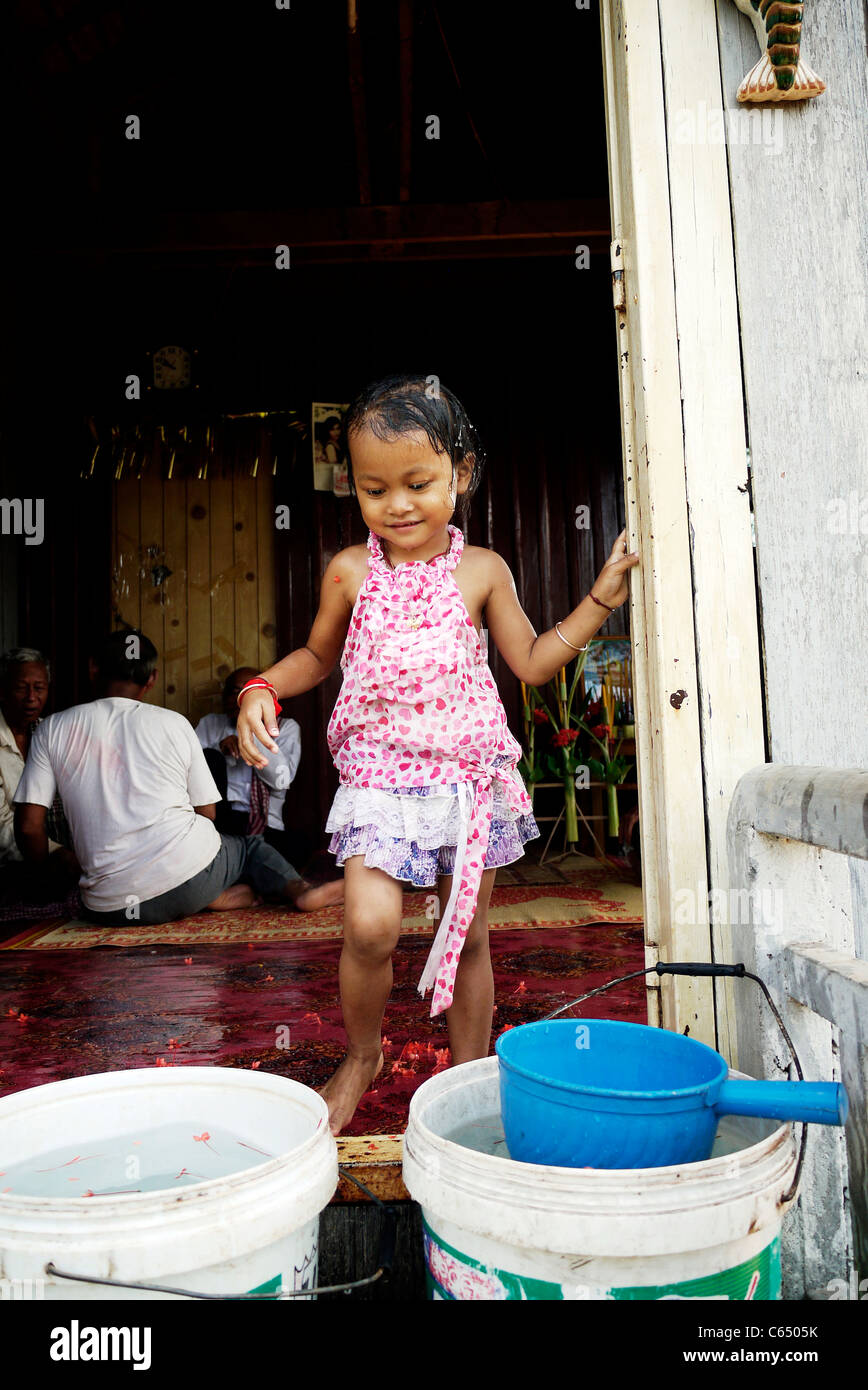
{"x":372,"y":925}
{"x":470,"y":1016}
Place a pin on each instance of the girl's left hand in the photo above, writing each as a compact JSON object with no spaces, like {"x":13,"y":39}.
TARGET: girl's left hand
{"x":610,"y":586}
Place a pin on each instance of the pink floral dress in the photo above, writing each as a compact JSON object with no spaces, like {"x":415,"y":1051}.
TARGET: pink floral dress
{"x":428,"y":779}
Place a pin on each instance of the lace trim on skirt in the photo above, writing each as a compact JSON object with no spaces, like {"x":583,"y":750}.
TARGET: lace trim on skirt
{"x":411,"y":833}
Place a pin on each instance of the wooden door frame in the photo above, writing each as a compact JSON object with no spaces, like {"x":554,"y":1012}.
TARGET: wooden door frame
{"x":693,"y":605}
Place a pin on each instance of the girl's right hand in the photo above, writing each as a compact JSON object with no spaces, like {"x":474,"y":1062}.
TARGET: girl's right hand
{"x":256,"y":720}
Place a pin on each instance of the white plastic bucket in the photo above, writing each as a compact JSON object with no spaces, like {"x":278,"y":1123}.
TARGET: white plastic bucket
{"x":497,"y":1229}
{"x":253,"y":1231}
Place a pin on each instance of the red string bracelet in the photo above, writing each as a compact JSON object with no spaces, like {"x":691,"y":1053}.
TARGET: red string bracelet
{"x":601,"y":604}
{"x":260,"y":685}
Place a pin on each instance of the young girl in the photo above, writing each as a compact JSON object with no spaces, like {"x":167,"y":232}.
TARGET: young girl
{"x":429,"y":790}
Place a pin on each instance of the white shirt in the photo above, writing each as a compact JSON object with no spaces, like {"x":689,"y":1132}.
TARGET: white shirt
{"x":282,"y":766}
{"x":129,"y":775}
{"x":11,"y":768}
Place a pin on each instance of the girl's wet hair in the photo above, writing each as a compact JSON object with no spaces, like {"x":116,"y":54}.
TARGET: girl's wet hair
{"x":408,"y":404}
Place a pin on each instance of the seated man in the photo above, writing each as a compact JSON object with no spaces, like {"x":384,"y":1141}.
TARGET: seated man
{"x":253,"y":800}
{"x":140,"y":803}
{"x":24,"y":681}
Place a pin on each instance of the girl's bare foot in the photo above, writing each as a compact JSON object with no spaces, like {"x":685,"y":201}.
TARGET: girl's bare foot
{"x":305,"y":898}
{"x":238,"y":895}
{"x":344,"y":1090}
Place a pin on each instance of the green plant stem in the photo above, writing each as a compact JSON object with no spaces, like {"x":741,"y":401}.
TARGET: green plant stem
{"x":572,"y":823}
{"x":614,"y":822}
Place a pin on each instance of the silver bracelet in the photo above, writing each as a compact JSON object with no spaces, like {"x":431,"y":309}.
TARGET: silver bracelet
{"x":570,"y":644}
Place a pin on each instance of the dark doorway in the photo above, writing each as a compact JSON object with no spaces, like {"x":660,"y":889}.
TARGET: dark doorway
{"x":438,"y":172}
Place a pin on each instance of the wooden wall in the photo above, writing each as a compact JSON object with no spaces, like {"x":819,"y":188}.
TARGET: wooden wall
{"x":800,"y":210}
{"x":800,"y":219}
{"x":215,"y":611}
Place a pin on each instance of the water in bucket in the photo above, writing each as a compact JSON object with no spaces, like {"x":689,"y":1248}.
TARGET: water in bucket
{"x":734,"y":1132}
{"x":149,"y":1160}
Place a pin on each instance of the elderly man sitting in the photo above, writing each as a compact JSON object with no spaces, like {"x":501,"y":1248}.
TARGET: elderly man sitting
{"x":24,"y":683}
{"x":140,"y":803}
{"x":253,"y":801}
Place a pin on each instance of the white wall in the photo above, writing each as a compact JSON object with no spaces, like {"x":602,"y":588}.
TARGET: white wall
{"x":800,"y":213}
{"x":799,"y":192}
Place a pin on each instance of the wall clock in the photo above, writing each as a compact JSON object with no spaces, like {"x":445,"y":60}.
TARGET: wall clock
{"x":172,"y":368}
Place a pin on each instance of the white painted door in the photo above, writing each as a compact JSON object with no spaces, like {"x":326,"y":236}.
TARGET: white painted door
{"x":693,"y":607}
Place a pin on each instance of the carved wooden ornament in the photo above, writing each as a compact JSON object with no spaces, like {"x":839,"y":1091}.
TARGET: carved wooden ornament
{"x":781,"y":74}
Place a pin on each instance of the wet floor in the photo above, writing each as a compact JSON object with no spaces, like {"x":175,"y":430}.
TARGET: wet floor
{"x":75,"y":1012}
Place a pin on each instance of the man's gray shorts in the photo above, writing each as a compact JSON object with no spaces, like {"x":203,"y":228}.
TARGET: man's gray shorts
{"x":245,"y":859}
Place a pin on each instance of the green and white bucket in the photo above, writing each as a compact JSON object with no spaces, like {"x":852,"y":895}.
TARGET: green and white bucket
{"x":497,"y":1229}
{"x":251,"y":1230}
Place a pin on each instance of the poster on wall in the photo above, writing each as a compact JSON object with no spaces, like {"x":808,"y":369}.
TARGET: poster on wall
{"x":330,"y":464}
{"x":608,"y":661}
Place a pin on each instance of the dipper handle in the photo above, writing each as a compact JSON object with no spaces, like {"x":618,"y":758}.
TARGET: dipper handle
{"x":697,"y":967}
{"x":817,"y":1102}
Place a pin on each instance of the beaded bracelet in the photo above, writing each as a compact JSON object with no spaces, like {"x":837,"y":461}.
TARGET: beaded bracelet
{"x":260,"y":685}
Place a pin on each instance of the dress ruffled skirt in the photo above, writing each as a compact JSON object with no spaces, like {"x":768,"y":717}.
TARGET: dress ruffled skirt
{"x":411,"y":833}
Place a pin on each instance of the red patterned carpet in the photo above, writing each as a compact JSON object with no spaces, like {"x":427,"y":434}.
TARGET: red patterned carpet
{"x":593,"y":895}
{"x":274,"y":1005}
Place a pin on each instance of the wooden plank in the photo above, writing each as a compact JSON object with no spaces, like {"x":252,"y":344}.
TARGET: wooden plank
{"x":500,"y":524}
{"x":174,"y":653}
{"x":620,"y":174}
{"x":224,"y":577}
{"x":295,"y":610}
{"x":557,"y":465}
{"x":669,"y":755}
{"x":126,"y":552}
{"x":547,"y":617}
{"x":93,"y":571}
{"x":244,"y":569}
{"x":527,"y":512}
{"x":153,"y":555}
{"x":375,"y":1159}
{"x":266,"y":587}
{"x":349,"y":1242}
{"x":725,"y":611}
{"x":807,"y":170}
{"x":203,"y":690}
{"x":326,"y":544}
